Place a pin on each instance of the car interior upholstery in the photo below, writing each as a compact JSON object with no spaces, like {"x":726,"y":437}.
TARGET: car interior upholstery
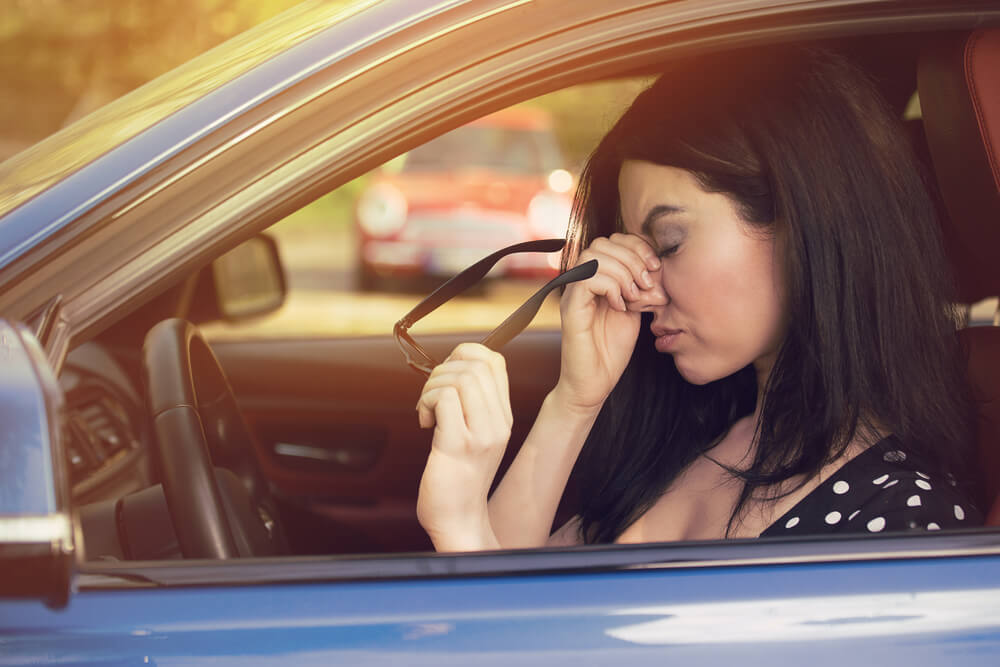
{"x":960,"y":100}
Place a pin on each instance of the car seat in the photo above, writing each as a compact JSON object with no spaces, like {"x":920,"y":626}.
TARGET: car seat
{"x":959,"y":90}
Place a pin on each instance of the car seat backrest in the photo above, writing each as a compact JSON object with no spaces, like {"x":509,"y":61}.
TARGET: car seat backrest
{"x":982,"y":346}
{"x":959,"y":85}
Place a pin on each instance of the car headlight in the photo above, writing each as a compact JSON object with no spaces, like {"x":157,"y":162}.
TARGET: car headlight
{"x":382,"y":210}
{"x":560,"y":181}
{"x":549,"y":215}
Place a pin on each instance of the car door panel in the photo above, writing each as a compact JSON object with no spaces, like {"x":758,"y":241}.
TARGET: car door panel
{"x":916,"y":611}
{"x":337,"y":428}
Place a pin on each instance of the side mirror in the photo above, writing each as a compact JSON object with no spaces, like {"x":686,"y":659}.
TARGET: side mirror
{"x":36,"y":534}
{"x":245,"y":282}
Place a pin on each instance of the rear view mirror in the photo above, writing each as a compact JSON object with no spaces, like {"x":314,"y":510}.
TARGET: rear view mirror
{"x":36,"y":536}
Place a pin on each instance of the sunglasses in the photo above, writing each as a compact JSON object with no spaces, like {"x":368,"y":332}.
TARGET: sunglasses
{"x":421,"y":361}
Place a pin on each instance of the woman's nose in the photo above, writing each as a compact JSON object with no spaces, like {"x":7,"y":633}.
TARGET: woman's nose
{"x":652,"y":297}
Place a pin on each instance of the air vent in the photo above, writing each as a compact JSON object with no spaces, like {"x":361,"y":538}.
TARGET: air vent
{"x":100,"y":430}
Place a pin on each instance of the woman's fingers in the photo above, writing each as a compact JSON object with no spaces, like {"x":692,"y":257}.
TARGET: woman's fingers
{"x":616,"y":263}
{"x":477,"y":367}
{"x":608,"y":286}
{"x":496,"y":368}
{"x":477,"y":415}
{"x":476,"y":377}
{"x":641,"y":248}
{"x":633,"y":255}
{"x":441,"y":407}
{"x":626,"y":259}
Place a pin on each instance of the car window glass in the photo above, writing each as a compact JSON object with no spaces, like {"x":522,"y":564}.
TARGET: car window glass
{"x":361,"y":256}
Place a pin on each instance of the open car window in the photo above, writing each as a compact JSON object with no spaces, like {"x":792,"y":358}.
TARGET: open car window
{"x":359,"y":257}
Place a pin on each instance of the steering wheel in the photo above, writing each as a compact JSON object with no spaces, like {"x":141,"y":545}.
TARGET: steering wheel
{"x":217,"y":513}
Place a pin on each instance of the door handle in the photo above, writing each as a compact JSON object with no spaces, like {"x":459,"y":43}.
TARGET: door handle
{"x":352,"y":457}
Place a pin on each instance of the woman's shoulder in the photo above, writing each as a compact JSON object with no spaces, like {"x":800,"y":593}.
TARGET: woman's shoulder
{"x":885,"y":488}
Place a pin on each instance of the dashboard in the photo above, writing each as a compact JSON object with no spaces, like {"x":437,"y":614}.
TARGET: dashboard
{"x":107,"y":441}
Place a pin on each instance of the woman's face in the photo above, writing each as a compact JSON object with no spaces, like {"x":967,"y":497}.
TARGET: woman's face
{"x":725,"y":306}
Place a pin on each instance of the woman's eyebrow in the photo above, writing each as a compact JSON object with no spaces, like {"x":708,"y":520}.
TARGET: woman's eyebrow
{"x":655,"y":213}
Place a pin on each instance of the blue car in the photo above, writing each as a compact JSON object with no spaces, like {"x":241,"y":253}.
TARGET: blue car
{"x":199,"y":467}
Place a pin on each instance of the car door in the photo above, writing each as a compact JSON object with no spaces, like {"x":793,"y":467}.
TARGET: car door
{"x":880,"y":601}
{"x":337,"y":428}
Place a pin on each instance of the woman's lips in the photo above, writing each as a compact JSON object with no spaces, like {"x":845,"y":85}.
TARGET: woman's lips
{"x":666,"y":339}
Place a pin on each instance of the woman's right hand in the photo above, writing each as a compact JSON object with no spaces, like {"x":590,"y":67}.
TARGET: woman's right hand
{"x":466,"y":400}
{"x":601,"y":318}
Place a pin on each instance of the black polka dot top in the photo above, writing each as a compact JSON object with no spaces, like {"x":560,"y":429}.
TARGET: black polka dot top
{"x":882,"y":489}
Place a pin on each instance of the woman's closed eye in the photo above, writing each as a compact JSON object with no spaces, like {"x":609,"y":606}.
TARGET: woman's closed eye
{"x":667,"y":237}
{"x":667,"y":251}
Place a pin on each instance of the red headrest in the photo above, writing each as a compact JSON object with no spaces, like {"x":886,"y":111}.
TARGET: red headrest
{"x":959,"y":84}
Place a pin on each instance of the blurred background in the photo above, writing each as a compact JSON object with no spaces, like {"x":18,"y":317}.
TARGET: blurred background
{"x":61,"y":59}
{"x":362,"y":255}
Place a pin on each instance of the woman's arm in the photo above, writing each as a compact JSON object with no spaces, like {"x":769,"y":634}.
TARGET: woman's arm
{"x":600,"y":323}
{"x":466,"y":400}
{"x":524,"y":505}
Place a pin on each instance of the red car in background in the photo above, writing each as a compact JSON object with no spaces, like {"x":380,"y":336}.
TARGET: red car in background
{"x":446,"y":204}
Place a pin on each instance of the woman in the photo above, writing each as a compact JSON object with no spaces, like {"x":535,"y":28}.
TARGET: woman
{"x":797,"y":369}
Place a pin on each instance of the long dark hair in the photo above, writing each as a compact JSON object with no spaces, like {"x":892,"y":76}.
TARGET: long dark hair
{"x":805,"y":147}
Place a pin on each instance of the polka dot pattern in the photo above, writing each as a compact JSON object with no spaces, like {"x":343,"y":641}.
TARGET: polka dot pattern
{"x":884,"y":489}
